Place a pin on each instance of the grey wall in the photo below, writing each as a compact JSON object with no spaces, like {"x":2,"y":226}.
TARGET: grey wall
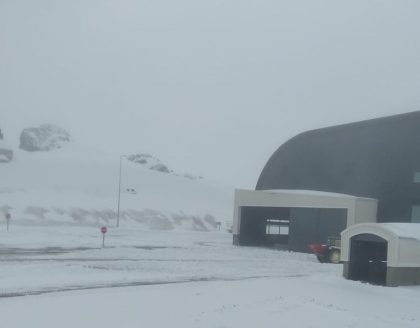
{"x":314,"y":225}
{"x":375,"y":158}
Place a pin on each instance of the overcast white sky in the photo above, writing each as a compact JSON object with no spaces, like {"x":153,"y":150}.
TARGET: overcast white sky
{"x":211,"y":87}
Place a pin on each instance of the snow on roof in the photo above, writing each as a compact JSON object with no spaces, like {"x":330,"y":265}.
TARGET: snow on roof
{"x":313,"y":193}
{"x":398,"y":230}
{"x":404,"y":230}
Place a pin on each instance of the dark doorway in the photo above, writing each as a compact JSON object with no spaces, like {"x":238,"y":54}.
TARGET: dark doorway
{"x":277,"y":231}
{"x":264,"y":226}
{"x":289,"y":228}
{"x":368,"y":259}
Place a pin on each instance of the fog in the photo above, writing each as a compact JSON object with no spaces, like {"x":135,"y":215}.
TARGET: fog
{"x":210,"y":87}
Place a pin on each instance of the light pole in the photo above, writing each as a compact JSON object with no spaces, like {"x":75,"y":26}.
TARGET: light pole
{"x":119,"y":193}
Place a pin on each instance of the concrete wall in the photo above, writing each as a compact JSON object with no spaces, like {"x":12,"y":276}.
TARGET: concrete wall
{"x":402,"y":276}
{"x":366,"y":210}
{"x":408,"y":253}
{"x":395,"y":276}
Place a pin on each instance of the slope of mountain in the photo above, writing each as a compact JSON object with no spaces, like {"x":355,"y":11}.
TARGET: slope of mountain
{"x":76,"y":185}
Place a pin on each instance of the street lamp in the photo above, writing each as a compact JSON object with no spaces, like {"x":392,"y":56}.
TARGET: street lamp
{"x":119,"y":192}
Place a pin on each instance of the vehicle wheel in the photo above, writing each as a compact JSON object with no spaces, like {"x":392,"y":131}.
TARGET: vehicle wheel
{"x":321,"y":258}
{"x":334,"y":256}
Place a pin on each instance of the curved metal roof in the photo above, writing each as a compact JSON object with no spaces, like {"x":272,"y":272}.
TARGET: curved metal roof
{"x":374,"y":159}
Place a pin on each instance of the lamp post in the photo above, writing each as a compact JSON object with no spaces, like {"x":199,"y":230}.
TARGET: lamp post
{"x":119,"y":192}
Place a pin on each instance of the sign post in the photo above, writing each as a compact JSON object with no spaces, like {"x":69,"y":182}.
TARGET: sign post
{"x":104,"y":231}
{"x":8,"y":217}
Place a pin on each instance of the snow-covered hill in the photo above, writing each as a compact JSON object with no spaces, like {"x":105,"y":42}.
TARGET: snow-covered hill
{"x":76,"y":185}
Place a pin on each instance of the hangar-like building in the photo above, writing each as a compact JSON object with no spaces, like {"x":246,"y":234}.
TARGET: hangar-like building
{"x":359,"y":163}
{"x":378,"y":159}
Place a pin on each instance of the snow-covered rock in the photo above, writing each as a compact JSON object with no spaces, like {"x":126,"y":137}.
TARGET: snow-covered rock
{"x":45,"y":137}
{"x":191,"y":177}
{"x":6,"y":155}
{"x":160,"y":168}
{"x":151,"y":162}
{"x":155,"y":164}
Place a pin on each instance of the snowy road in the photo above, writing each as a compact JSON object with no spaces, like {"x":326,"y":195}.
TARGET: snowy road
{"x":180,"y":279}
{"x":132,"y":257}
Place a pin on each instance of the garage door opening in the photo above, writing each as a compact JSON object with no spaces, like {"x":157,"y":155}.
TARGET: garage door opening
{"x":277,"y":231}
{"x":265,"y":226}
{"x":368,"y":259}
{"x":289,"y":228}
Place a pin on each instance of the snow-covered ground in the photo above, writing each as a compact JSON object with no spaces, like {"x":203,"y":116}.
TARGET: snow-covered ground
{"x":72,"y":257}
{"x":167,"y":265}
{"x":78,"y":185}
{"x":180,"y":279}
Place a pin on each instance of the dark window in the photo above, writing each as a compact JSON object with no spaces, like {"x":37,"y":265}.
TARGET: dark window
{"x":277,"y":227}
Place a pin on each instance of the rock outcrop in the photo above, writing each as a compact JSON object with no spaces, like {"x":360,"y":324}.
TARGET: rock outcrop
{"x":6,"y":155}
{"x":154,"y":163}
{"x":150,"y":162}
{"x":44,"y":138}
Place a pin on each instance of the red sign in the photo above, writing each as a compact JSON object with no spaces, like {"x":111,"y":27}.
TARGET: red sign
{"x":104,"y":230}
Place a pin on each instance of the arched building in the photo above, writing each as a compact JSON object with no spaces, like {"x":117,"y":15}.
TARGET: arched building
{"x":378,"y":159}
{"x":371,"y":160}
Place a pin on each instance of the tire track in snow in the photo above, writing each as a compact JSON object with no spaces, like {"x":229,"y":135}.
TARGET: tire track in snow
{"x":136,"y":284}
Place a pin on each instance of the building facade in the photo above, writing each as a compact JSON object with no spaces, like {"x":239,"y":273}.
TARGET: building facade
{"x":294,"y":219}
{"x":377,"y":159}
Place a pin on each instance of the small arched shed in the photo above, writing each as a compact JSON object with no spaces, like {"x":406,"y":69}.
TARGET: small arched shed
{"x":382,"y":253}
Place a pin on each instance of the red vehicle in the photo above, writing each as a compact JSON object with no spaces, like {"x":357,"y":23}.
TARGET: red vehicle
{"x":329,"y":252}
